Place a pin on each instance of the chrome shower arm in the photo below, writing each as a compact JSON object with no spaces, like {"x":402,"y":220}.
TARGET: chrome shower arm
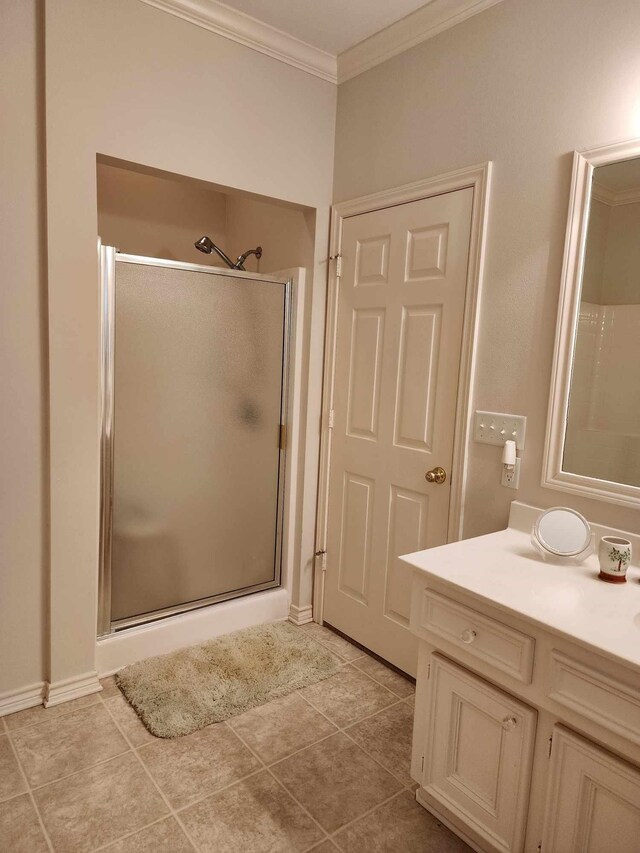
{"x":239,"y":264}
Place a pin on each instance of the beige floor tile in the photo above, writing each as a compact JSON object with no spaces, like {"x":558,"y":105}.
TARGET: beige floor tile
{"x":11,"y":781}
{"x":99,"y":805}
{"x":166,"y":836}
{"x":326,"y":847}
{"x":399,"y":825}
{"x":281,"y":727}
{"x":387,"y":737}
{"x":190,"y":767}
{"x":128,"y":720}
{"x":40,"y":714}
{"x":20,"y":830}
{"x":343,"y":648}
{"x":65,"y":745}
{"x":388,"y":677}
{"x":335,"y":781}
{"x":411,"y":701}
{"x":254,"y":816}
{"x":348,"y":696}
{"x":109,"y":687}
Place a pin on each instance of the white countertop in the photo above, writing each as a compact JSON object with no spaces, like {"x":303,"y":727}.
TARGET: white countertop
{"x":504,"y":569}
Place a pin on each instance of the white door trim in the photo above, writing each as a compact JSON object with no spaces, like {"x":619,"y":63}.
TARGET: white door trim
{"x":479,"y":178}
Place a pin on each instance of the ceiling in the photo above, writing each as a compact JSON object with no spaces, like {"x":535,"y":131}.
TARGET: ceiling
{"x":619,"y":177}
{"x":330,"y":25}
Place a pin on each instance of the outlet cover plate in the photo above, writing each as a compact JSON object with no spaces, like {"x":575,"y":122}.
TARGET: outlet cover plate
{"x":497,"y":427}
{"x":511,"y":479}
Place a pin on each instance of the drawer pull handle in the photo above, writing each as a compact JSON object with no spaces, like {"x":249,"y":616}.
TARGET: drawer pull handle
{"x":468,"y":636}
{"x":509,"y":724}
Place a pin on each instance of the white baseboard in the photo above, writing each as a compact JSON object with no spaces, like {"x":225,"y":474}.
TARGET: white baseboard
{"x":187,"y":629}
{"x":23,"y":697}
{"x":300,"y":615}
{"x":71,"y":688}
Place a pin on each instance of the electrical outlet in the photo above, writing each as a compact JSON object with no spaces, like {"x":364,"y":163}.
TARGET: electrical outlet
{"x":511,"y":479}
{"x":496,"y":428}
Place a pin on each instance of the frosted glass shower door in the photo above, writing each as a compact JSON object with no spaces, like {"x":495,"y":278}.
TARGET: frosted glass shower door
{"x":198,"y":374}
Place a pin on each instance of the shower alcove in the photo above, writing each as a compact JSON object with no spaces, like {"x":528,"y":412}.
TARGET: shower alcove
{"x":203,"y":409}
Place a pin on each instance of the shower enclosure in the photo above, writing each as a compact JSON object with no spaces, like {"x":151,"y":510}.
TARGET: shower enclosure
{"x":194,"y":376}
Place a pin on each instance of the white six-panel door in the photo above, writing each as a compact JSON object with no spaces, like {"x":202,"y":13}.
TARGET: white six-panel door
{"x":400,"y":315}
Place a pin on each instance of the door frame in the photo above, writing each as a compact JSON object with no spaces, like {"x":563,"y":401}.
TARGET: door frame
{"x":479,"y":179}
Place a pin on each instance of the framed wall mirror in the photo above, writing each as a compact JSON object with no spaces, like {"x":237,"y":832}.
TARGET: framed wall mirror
{"x":593,"y":431}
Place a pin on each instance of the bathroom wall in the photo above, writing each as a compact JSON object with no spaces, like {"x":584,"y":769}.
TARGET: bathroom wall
{"x":593,"y":272}
{"x":23,"y":351}
{"x":285,"y":233}
{"x":145,"y":214}
{"x":522,"y":84}
{"x":149,"y":213}
{"x":621,"y":273}
{"x":123,"y":80}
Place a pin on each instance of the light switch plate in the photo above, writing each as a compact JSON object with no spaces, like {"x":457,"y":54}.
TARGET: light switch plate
{"x":496,"y":428}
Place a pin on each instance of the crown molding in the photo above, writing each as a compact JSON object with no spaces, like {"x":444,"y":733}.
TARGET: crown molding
{"x":612,"y":198}
{"x":419,"y":26}
{"x":426,"y":22}
{"x":248,"y":31}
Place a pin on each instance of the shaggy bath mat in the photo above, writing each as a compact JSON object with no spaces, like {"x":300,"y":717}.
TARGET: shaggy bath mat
{"x":181,"y":692}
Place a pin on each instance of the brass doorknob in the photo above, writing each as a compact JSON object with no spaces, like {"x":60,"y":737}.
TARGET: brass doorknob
{"x":436,"y":475}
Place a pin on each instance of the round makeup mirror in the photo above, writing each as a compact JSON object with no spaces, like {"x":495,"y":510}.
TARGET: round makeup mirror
{"x":563,"y":532}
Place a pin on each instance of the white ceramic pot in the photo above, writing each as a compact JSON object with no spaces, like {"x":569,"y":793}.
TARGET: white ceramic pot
{"x":614,"y":554}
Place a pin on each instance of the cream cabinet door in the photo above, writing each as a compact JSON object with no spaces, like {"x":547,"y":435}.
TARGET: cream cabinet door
{"x":400,"y":312}
{"x":478,"y":755}
{"x":593,"y":799}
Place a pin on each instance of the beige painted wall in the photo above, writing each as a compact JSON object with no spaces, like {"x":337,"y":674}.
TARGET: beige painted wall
{"x":595,"y":253}
{"x":612,"y":256}
{"x":263,"y":127}
{"x":621,"y":273}
{"x":23,"y":353}
{"x":518,"y":85}
{"x":145,"y":214}
{"x":285,"y":233}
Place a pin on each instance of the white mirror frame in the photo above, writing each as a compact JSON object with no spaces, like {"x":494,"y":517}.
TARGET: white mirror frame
{"x":553,"y":476}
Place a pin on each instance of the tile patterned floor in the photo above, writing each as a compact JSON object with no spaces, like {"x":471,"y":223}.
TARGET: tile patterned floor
{"x":325,"y":769}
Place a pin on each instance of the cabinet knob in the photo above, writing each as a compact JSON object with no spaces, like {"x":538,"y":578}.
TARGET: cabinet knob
{"x":468,"y":636}
{"x":509,"y":724}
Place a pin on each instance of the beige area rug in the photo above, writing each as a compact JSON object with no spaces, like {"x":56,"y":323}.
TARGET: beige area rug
{"x":181,"y":692}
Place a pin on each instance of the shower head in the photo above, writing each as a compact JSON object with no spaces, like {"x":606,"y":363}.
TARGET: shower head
{"x":205,"y":245}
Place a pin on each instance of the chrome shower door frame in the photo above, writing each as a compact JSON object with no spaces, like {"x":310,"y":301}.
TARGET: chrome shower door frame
{"x":109,"y":257}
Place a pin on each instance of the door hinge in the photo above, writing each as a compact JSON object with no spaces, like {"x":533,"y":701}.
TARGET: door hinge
{"x":422,"y":768}
{"x":338,"y":260}
{"x":282,"y":442}
{"x":428,"y":671}
{"x":550,"y":745}
{"x":332,"y":415}
{"x":323,"y":563}
{"x":540,"y":847}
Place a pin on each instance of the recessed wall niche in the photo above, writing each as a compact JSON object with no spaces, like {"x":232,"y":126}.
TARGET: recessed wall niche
{"x":144,"y":211}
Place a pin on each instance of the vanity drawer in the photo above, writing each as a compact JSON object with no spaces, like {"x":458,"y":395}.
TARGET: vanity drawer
{"x":485,"y":638}
{"x":596,"y":696}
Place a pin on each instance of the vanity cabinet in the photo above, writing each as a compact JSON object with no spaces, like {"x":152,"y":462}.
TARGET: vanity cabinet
{"x":478,"y":753}
{"x":523,"y":741}
{"x":593,"y":799}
